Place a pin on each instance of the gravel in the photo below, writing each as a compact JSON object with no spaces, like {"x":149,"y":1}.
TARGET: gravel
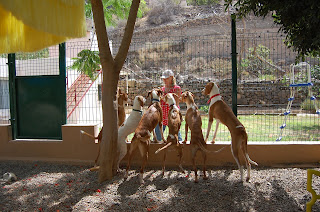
{"x":60,"y":187}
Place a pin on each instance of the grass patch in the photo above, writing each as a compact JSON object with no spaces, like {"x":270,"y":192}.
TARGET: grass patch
{"x":265,"y":128}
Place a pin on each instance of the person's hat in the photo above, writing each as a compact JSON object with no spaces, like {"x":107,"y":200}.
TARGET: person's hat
{"x":166,"y":74}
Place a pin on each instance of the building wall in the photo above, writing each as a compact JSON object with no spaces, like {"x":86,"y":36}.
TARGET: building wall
{"x":75,"y":148}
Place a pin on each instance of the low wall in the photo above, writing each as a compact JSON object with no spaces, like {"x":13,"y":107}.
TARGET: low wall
{"x":75,"y":148}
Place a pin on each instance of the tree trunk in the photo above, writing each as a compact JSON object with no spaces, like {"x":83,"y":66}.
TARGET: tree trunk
{"x":111,"y":70}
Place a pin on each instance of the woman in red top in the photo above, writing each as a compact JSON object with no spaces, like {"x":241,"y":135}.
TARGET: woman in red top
{"x":170,"y":86}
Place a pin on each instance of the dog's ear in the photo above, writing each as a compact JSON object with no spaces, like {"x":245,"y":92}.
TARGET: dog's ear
{"x":191,"y":94}
{"x":164,"y":98}
{"x":119,"y":91}
{"x":125,"y":96}
{"x":141,"y":100}
{"x":208,"y":88}
{"x":149,"y":92}
{"x":176,"y":98}
{"x":159,"y":92}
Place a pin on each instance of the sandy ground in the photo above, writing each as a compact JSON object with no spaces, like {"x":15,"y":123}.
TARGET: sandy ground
{"x":60,"y":187}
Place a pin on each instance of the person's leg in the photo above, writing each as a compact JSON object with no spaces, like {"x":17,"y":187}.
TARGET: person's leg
{"x":158,"y":133}
{"x":179,"y":136}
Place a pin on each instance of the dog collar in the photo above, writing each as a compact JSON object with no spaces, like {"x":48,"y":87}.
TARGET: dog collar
{"x":155,"y":100}
{"x":212,"y":98}
{"x":140,"y":111}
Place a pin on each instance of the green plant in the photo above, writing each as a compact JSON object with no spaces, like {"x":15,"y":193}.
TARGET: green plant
{"x":204,"y":108}
{"x":299,"y":20}
{"x":257,"y":62}
{"x":116,"y":9}
{"x":87,"y":63}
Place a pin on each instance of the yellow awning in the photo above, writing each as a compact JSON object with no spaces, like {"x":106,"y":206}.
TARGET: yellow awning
{"x":31,"y":25}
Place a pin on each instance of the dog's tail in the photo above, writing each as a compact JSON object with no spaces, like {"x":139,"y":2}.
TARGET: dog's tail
{"x":85,"y":133}
{"x":251,"y":161}
{"x":208,"y":151}
{"x":245,"y":149}
{"x":163,"y":148}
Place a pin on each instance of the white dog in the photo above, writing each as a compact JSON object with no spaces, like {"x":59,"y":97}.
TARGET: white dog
{"x":129,"y":126}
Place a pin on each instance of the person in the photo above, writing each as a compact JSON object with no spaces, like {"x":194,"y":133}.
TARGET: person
{"x":170,"y":86}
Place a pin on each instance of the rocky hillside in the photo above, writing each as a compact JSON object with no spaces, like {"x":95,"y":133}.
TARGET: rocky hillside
{"x":182,"y":20}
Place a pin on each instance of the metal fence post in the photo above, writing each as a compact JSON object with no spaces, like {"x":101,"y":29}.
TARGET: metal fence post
{"x":12,"y":91}
{"x":234,"y":64}
{"x":62,"y":71}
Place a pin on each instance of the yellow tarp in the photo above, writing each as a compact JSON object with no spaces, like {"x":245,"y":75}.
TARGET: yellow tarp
{"x":31,"y":25}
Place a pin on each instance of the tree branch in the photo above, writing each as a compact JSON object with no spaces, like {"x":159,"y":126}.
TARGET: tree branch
{"x":126,"y":40}
{"x":101,"y":31}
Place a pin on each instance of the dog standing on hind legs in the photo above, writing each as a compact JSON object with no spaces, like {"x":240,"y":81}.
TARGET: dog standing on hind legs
{"x":141,"y":139}
{"x":193,"y":121}
{"x":122,"y":98}
{"x":129,"y":126}
{"x":174,"y":123}
{"x":219,"y":110}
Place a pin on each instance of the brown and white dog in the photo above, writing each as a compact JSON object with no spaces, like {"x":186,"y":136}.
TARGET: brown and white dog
{"x":193,"y":121}
{"x":219,"y":110}
{"x":141,"y":139}
{"x":174,"y":123}
{"x":122,"y":99}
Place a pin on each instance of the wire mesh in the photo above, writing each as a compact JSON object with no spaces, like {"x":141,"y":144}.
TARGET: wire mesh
{"x":263,"y":81}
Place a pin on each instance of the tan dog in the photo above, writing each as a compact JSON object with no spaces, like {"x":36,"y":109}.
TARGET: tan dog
{"x":219,"y":110}
{"x":174,"y":123}
{"x":122,"y":99}
{"x":141,"y":139}
{"x":193,"y":121}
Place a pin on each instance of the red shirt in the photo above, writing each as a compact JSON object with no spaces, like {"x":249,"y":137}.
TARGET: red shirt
{"x":165,"y":107}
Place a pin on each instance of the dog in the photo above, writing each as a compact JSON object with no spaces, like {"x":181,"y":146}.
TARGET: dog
{"x":99,"y":137}
{"x":129,"y":126}
{"x":219,"y":110}
{"x":194,"y":122}
{"x":122,"y":99}
{"x":141,"y":139}
{"x":124,"y":130}
{"x":174,"y":123}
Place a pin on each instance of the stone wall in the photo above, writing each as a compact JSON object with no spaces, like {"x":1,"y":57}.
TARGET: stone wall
{"x":264,"y":93}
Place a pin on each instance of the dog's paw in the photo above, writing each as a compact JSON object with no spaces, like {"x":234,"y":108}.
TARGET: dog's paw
{"x":125,"y":175}
{"x":141,"y":181}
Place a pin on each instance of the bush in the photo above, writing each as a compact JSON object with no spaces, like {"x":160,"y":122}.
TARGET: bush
{"x":204,"y":108}
{"x":162,"y":13}
{"x":255,"y":66}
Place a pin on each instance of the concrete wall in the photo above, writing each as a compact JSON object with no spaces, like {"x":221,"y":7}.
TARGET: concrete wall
{"x":75,"y":148}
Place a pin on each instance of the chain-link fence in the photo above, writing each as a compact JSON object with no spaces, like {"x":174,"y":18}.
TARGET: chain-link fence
{"x":263,"y":81}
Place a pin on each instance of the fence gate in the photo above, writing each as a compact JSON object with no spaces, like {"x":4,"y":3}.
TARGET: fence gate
{"x":38,"y":96}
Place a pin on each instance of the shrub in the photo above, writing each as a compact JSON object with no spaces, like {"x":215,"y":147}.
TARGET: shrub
{"x":255,"y":66}
{"x":162,"y":13}
{"x":204,"y":108}
{"x":87,"y":63}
